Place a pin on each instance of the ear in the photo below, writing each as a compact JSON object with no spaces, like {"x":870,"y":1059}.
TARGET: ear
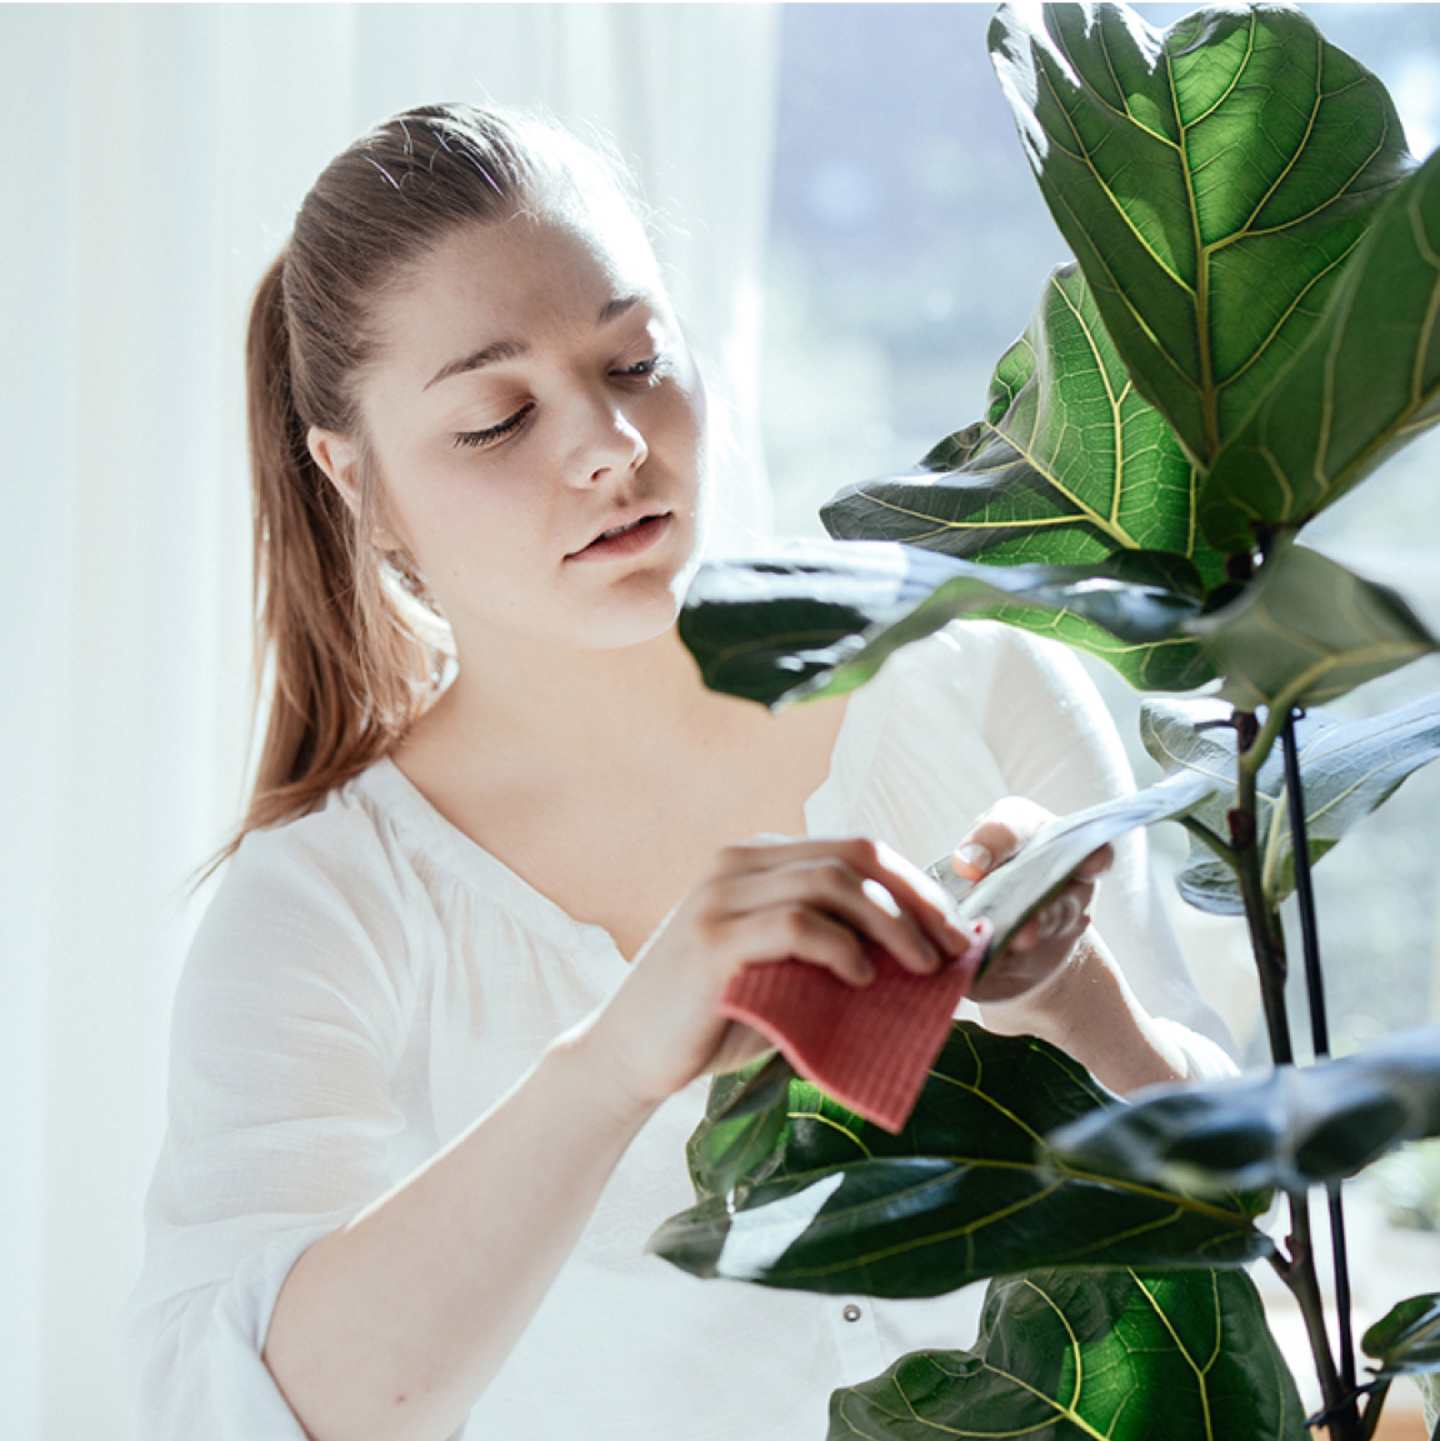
{"x":336,"y":456}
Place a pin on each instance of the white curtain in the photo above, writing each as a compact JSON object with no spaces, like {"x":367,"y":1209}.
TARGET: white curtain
{"x":155,"y":157}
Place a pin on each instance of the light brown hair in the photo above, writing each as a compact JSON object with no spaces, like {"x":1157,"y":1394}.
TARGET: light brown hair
{"x":355,"y":645}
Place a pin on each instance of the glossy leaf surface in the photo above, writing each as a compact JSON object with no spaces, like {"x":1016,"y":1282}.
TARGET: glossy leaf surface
{"x":1295,"y":1127}
{"x":960,"y":1194}
{"x":1076,"y":1356}
{"x":1213,"y":180}
{"x":1406,"y":1340}
{"x":1069,"y":467}
{"x":816,"y":618}
{"x":1366,"y":383}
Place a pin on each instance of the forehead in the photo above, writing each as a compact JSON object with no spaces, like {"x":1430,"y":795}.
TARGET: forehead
{"x":514,"y":279}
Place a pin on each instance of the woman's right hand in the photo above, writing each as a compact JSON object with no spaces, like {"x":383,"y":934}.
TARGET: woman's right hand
{"x":765,"y":899}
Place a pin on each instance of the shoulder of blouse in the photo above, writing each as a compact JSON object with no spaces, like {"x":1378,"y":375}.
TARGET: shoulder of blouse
{"x":329,"y":896}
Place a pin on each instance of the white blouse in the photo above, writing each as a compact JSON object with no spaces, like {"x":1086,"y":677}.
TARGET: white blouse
{"x":367,"y":981}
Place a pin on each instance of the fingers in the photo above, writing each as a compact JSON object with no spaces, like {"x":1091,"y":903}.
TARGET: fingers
{"x":1008,"y":826}
{"x":870,"y":887}
{"x":922,"y":900}
{"x":1066,"y":915}
{"x":1096,"y":863}
{"x":863,"y":882}
{"x":998,"y":834}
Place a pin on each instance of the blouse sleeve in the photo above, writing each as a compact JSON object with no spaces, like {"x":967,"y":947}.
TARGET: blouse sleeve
{"x":1056,"y":743}
{"x":287,"y":1026}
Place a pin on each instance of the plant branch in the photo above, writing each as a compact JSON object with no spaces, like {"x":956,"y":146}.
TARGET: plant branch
{"x":1254,"y":755}
{"x":1373,"y":1404}
{"x":1297,"y":1271}
{"x":1204,"y":834}
{"x":1319,"y":1026}
{"x":1266,"y":938}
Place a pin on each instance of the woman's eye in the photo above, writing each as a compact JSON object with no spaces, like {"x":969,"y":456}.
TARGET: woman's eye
{"x":654,"y":368}
{"x":484,"y":437}
{"x":657,"y":365}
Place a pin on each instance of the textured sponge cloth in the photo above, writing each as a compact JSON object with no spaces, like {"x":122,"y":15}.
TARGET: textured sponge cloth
{"x":869,"y":1047}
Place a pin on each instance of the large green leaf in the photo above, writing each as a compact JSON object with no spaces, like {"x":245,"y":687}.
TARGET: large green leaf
{"x":1347,"y":770}
{"x":1092,"y":1356}
{"x":1366,"y":383}
{"x":1306,"y":630}
{"x":1293,"y":1127}
{"x":813,"y":618}
{"x":960,"y":1194}
{"x":1212,"y":179}
{"x":1070,"y":467}
{"x":1406,"y":1340}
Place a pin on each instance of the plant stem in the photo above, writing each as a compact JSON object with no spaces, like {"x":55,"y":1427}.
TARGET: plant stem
{"x":1204,"y":834}
{"x":1376,"y":1400}
{"x":1319,"y":1028}
{"x":1266,"y":938}
{"x":1298,"y":1273}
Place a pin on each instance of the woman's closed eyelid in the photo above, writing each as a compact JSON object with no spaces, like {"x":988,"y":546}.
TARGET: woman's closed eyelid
{"x":661,"y":365}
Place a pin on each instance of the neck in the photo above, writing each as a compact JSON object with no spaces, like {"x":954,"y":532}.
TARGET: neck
{"x":625,"y":711}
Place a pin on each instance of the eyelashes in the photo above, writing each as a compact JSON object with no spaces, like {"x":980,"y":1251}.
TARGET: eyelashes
{"x":651,"y":370}
{"x":485,"y":437}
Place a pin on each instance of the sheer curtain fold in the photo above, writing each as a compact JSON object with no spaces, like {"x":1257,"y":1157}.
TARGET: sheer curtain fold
{"x":158,"y":156}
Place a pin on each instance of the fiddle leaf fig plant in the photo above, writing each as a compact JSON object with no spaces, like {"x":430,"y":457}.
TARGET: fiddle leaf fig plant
{"x":1071,"y":465}
{"x":963,"y":1193}
{"x":1249,"y":326}
{"x":1350,"y":768}
{"x":1065,"y":1353}
{"x":1278,"y":473}
{"x":1292,"y":1128}
{"x":1213,"y":180}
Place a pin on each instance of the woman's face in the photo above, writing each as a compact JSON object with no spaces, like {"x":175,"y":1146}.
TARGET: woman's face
{"x":587,"y":405}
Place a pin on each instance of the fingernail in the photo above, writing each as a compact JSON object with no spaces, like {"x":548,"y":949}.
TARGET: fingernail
{"x":975,"y":855}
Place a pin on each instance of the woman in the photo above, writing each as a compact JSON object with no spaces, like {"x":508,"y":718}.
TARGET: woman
{"x":446,"y":1025}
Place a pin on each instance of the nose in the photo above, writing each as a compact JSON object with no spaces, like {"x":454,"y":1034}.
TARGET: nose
{"x":613,"y":443}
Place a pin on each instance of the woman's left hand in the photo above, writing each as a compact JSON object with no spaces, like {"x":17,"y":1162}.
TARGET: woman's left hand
{"x":1048,"y":941}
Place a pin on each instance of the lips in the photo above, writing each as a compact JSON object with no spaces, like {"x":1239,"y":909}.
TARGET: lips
{"x":625,"y":519}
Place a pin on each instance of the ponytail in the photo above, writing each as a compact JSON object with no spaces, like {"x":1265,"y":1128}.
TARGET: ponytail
{"x":354,"y":646}
{"x":349,"y":677}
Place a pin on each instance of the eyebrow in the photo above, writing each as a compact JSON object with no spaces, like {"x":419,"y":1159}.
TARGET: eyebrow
{"x":509,"y":349}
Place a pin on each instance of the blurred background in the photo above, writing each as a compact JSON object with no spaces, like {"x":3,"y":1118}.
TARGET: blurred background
{"x":854,"y":237}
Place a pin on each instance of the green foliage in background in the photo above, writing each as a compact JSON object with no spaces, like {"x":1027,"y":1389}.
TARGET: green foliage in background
{"x":1250,"y":327}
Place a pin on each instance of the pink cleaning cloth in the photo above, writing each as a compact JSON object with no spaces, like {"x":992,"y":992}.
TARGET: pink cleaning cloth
{"x":869,"y":1047}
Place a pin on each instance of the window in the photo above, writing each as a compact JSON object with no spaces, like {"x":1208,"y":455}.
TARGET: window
{"x":909,"y":246}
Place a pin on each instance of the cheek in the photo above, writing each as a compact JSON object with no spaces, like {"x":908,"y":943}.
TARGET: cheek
{"x":477,"y":509}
